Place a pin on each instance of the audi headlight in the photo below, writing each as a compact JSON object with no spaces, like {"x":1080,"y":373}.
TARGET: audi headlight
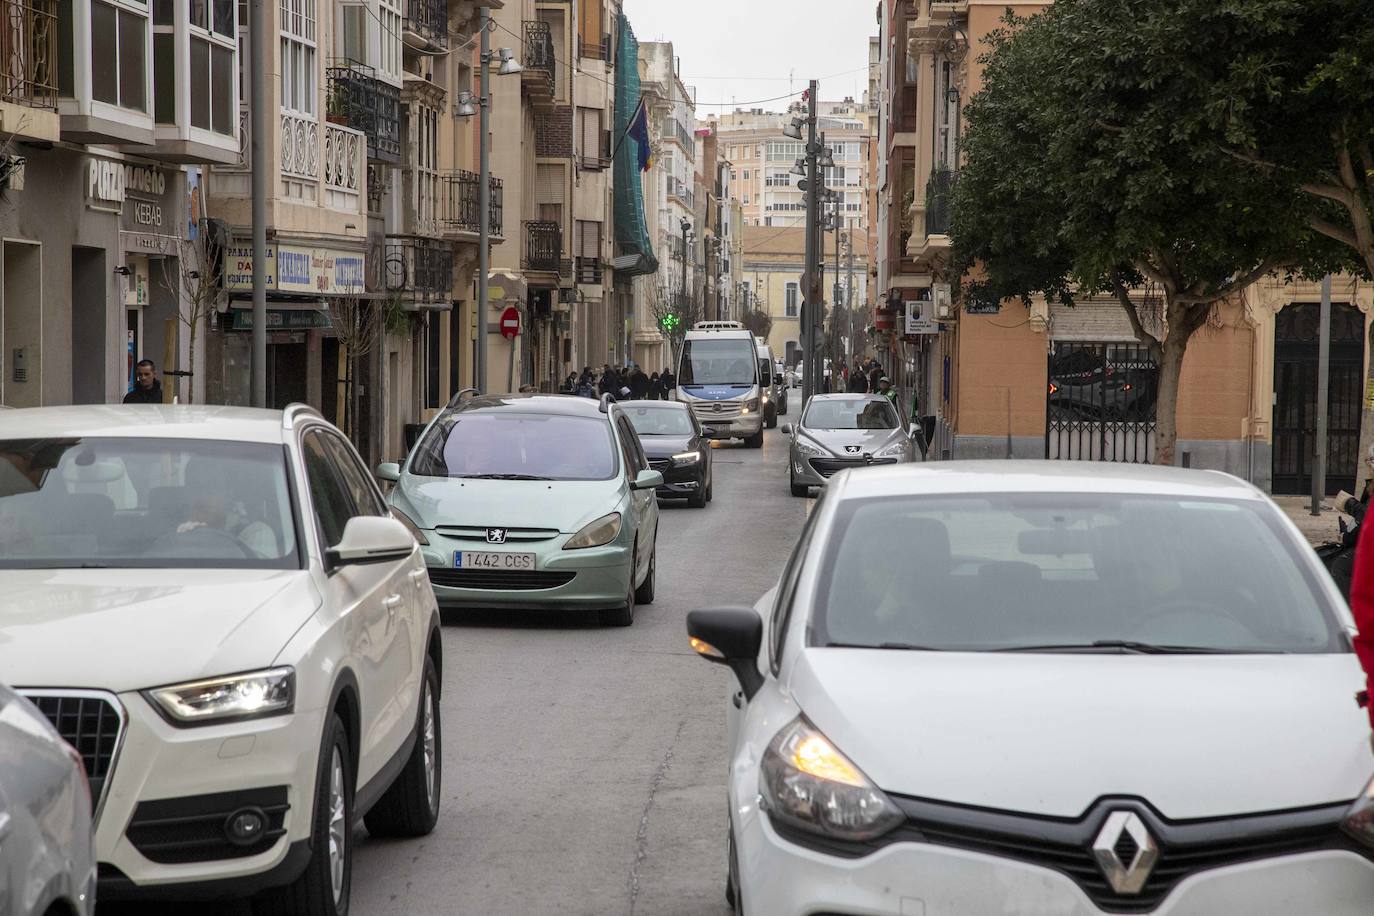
{"x":410,"y":524}
{"x":807,"y":783}
{"x":810,"y":450}
{"x":1359,"y":820}
{"x":895,"y":450}
{"x":686,"y":457}
{"x":596,"y":534}
{"x":237,"y":696}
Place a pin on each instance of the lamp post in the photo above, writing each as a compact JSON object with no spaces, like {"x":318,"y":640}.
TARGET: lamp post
{"x":686,"y":225}
{"x":466,"y":108}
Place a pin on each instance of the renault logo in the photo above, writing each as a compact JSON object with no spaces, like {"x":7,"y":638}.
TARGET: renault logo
{"x":1124,"y":836}
{"x":496,"y":535}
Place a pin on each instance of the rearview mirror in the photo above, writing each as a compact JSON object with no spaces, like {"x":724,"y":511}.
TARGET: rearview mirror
{"x":647,"y":480}
{"x":730,"y":636}
{"x":371,"y":539}
{"x":786,"y":429}
{"x":390,"y":472}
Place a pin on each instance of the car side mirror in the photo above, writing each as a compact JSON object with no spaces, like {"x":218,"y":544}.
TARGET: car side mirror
{"x":647,"y":480}
{"x":777,"y":378}
{"x":371,"y":539}
{"x":730,"y":636}
{"x":786,"y":429}
{"x":390,"y":472}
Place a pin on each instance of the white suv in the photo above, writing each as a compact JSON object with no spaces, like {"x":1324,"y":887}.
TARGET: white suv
{"x":215,"y":607}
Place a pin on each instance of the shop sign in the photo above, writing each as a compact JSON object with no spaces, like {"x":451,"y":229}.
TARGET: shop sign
{"x":238,"y":268}
{"x":920,"y":317}
{"x":109,"y":183}
{"x":319,"y":271}
{"x":282,"y":319}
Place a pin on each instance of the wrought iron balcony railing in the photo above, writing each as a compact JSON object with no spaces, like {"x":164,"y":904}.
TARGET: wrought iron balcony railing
{"x":939,"y":200}
{"x":28,"y":52}
{"x":417,"y":267}
{"x":359,"y":100}
{"x":539,"y":48}
{"x":426,"y":24}
{"x":457,"y":208}
{"x":543,"y":245}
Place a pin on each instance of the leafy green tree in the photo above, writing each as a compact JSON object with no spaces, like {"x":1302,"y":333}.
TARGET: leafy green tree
{"x":1091,"y":166}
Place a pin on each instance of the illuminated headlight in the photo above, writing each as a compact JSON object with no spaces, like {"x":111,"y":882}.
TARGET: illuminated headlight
{"x":597,"y":534}
{"x":1359,"y":820}
{"x":895,"y":450}
{"x":810,"y":450}
{"x":239,"y":696}
{"x":686,"y":457}
{"x":414,"y":528}
{"x":751,"y":404}
{"x":805,"y":782}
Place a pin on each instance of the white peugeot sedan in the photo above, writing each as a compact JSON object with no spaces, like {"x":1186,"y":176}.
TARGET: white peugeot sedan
{"x":1035,"y":688}
{"x":214,"y":606}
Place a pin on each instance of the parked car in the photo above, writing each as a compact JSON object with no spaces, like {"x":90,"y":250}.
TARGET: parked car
{"x":839,"y":431}
{"x":1096,"y":688}
{"x":524,"y":501}
{"x":671,"y":437}
{"x":215,"y":606}
{"x":47,"y":856}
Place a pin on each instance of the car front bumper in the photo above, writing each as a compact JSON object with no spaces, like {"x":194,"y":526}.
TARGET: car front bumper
{"x":592,"y":579}
{"x":741,"y":427}
{"x":188,"y":772}
{"x":681,"y":482}
{"x":780,"y":878}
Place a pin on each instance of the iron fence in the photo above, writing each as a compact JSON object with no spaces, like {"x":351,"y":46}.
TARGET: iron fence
{"x":543,"y":245}
{"x":429,"y":20}
{"x":458,"y":207}
{"x":1101,"y":402}
{"x":358,"y":99}
{"x":418,"y":267}
{"x":28,"y":52}
{"x":539,"y":48}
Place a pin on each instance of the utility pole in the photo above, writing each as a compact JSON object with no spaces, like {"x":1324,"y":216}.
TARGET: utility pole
{"x":257,"y":105}
{"x":813,"y":365}
{"x":483,"y":202}
{"x":682,"y":300}
{"x":1323,"y":396}
{"x":849,"y":302}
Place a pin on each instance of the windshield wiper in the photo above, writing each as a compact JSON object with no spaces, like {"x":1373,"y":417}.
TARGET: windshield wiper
{"x":884,"y":645}
{"x":1126,"y":645}
{"x":503,"y":477}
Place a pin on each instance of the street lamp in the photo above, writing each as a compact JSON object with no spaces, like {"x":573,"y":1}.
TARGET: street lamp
{"x":466,"y":109}
{"x":799,"y":168}
{"x":794,"y":130}
{"x":686,"y":225}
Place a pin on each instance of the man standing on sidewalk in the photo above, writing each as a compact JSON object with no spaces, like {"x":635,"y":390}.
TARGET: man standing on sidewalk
{"x":147,"y":389}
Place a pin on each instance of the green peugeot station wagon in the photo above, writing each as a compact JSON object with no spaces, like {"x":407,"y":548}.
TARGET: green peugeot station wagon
{"x":530,"y":501}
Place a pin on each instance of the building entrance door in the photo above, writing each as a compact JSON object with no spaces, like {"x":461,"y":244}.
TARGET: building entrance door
{"x":1296,"y":340}
{"x":1101,"y":403}
{"x":287,"y":364}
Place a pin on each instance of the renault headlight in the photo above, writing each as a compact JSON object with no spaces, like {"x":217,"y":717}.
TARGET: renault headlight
{"x":410,"y":524}
{"x":596,"y":534}
{"x":237,"y":696}
{"x":1359,"y":820}
{"x":895,"y":450}
{"x":683,"y":458}
{"x":810,"y":450}
{"x":807,"y":783}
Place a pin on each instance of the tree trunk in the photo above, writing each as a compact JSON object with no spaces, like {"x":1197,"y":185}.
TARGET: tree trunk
{"x":352,"y":384}
{"x":1174,"y":346}
{"x":191,"y":366}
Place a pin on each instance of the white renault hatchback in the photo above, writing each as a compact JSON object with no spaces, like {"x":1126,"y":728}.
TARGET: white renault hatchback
{"x":215,"y":608}
{"x":1025,"y":687}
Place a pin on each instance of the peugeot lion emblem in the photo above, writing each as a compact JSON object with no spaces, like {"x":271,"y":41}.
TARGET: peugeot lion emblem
{"x":496,"y":535}
{"x":852,"y":449}
{"x":1125,"y":829}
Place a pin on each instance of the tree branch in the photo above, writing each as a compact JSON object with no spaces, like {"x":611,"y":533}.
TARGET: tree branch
{"x":1250,"y":159}
{"x":1333,"y":231}
{"x":1246,"y":280}
{"x":1329,"y":192}
{"x":1123,"y":295}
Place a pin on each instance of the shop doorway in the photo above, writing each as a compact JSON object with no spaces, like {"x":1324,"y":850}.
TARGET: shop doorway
{"x":90,"y":294}
{"x":1296,"y":341}
{"x":21,"y":326}
{"x":287,"y":362}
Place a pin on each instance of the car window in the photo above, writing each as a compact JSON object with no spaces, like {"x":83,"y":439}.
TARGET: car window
{"x":850,"y":413}
{"x":998,"y":572}
{"x":659,"y":421}
{"x":355,"y":479}
{"x":516,"y":444}
{"x":787,"y":589}
{"x":145,"y":503}
{"x":629,"y":443}
{"x":333,"y":505}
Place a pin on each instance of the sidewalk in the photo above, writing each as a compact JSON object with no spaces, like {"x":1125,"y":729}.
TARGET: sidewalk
{"x":1317,"y":528}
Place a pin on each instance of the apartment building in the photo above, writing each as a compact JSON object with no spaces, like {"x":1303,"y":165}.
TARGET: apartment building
{"x":1048,"y":381}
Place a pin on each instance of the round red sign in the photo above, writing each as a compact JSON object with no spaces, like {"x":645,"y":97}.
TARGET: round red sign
{"x":510,"y":323}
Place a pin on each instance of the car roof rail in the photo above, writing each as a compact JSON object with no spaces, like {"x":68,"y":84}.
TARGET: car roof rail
{"x":292,"y":411}
{"x":458,"y":398}
{"x":607,"y":400}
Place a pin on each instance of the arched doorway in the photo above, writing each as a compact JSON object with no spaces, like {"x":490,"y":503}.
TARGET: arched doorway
{"x":1296,"y":339}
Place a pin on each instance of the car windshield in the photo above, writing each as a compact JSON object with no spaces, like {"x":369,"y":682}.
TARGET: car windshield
{"x":1068,"y":572}
{"x":727,"y":361}
{"x":659,"y":421}
{"x":516,"y":445}
{"x":145,"y":503}
{"x":849,"y":414}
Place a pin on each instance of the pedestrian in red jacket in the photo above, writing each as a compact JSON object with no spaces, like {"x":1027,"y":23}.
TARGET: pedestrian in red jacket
{"x":1362,"y":606}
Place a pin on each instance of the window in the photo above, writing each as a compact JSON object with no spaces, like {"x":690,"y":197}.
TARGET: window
{"x":213,"y":106}
{"x":333,"y":507}
{"x":589,"y":138}
{"x":353,"y":32}
{"x":364,"y":493}
{"x":389,"y":23}
{"x":792,"y":308}
{"x":475,"y":443}
{"x":299,"y":80}
{"x":119,"y":59}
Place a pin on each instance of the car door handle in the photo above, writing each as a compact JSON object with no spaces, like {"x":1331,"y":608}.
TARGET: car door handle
{"x":419,"y":574}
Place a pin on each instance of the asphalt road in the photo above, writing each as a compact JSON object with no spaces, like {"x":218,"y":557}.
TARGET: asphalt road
{"x":584,"y":768}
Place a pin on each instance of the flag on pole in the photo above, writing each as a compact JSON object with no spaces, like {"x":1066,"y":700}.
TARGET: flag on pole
{"x":639,"y":129}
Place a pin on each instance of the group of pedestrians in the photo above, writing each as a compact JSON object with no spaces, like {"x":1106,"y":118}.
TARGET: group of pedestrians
{"x":629,"y":382}
{"x":868,"y":376}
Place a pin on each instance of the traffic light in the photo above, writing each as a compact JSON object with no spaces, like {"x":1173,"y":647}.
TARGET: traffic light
{"x":670,"y":322}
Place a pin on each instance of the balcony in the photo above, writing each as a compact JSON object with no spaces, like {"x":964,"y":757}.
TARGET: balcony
{"x":543,"y":246}
{"x":358,"y":99}
{"x":538,"y":73}
{"x":426,"y":25}
{"x":931,"y":247}
{"x":28,"y":67}
{"x":457,"y":207}
{"x":677,"y":188}
{"x":589,"y":270}
{"x":419,"y":269}
{"x":345,"y":168}
{"x":946,"y":10}
{"x":594,"y":50}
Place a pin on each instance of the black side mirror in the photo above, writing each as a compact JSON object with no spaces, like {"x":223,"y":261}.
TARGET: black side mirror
{"x":730,"y":636}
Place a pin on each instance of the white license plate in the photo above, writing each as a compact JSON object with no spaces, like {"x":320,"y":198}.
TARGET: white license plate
{"x":472,"y":559}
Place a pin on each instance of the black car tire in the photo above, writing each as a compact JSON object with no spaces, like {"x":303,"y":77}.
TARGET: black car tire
{"x":798,"y":489}
{"x":312,"y":894}
{"x":732,"y":889}
{"x":771,"y":418}
{"x":710,"y":480}
{"x":754,"y":441}
{"x":698,"y":499}
{"x":410,"y":807}
{"x":644,"y":594}
{"x":625,"y":615}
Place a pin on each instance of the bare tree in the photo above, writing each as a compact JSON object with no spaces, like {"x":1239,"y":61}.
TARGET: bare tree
{"x":191,"y":277}
{"x":675,"y":312}
{"x":757,"y":322}
{"x":358,"y":324}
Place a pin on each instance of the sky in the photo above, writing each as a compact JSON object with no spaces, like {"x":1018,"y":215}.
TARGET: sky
{"x":746,"y":50}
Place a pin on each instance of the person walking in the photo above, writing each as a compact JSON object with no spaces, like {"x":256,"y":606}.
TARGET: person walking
{"x":885,"y":389}
{"x":875,"y":373}
{"x":1362,"y":607}
{"x":639,"y":383}
{"x":669,"y":383}
{"x":858,"y":382}
{"x":147,"y":389}
{"x":610,"y":381}
{"x":655,"y":387}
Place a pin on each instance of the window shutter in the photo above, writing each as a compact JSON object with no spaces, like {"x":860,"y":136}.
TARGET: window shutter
{"x":589,"y":240}
{"x":591,"y":132}
{"x":548,"y":183}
